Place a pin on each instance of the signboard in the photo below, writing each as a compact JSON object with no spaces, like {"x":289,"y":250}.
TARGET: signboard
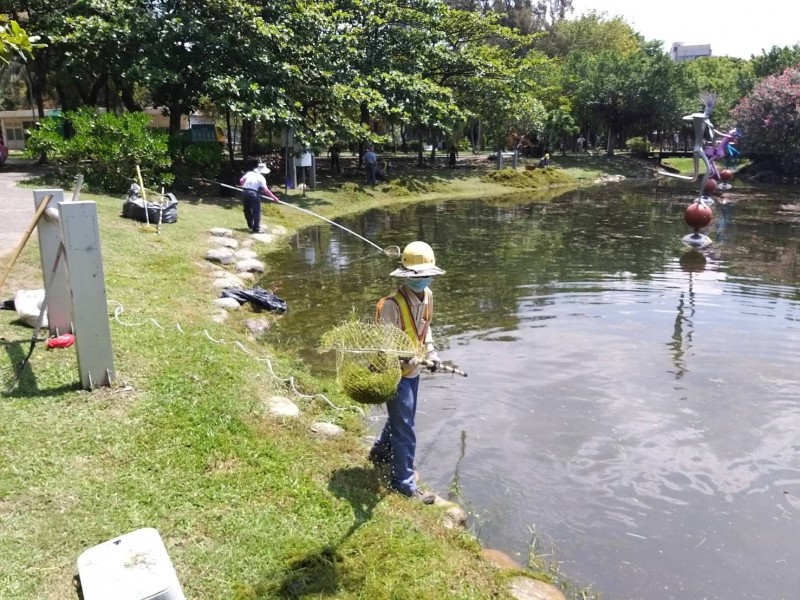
{"x":304,"y":160}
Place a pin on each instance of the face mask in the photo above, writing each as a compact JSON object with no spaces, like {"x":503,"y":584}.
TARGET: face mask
{"x":418,"y":284}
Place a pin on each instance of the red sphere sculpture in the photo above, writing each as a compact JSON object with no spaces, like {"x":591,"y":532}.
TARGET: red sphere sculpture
{"x":710,"y":186}
{"x":726,"y":175}
{"x":697,"y":215}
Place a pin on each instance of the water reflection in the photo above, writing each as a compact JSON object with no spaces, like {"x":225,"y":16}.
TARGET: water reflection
{"x":634,"y":404}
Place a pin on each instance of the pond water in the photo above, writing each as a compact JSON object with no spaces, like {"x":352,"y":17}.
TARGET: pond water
{"x":632,"y":408}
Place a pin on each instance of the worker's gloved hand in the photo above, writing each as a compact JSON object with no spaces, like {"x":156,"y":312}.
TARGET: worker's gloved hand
{"x":412,"y":362}
{"x":434,"y":357}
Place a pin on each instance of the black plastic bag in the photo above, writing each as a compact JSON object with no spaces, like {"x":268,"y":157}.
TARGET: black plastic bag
{"x":258,"y":297}
{"x":136,"y":208}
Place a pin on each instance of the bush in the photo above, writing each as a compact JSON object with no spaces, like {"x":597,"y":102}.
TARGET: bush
{"x":196,"y":159}
{"x":638,"y":146}
{"x":104,"y":148}
{"x":770,"y":122}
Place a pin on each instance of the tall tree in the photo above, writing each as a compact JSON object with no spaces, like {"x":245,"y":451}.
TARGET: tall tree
{"x":626,"y":94}
{"x":775,"y":60}
{"x":591,"y":33}
{"x":730,"y":78}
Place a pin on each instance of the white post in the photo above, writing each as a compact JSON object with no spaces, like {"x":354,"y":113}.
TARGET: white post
{"x":90,"y":325}
{"x":292,"y":172}
{"x":59,"y":303}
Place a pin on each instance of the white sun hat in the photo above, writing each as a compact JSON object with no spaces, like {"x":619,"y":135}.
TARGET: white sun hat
{"x":262,"y":168}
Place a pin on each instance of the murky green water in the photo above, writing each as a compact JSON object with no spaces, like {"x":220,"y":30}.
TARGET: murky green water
{"x":631,"y":406}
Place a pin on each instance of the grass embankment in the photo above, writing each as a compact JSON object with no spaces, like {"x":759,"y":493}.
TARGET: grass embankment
{"x":249,"y":506}
{"x":685,"y":166}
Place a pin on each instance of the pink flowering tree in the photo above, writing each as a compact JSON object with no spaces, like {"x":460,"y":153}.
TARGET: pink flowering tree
{"x":770,"y":120}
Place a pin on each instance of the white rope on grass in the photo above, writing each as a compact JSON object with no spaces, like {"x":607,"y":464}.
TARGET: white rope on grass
{"x":285,"y":380}
{"x":121,"y":309}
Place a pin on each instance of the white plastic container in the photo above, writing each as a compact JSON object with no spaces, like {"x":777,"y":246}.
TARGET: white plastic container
{"x":134,"y":566}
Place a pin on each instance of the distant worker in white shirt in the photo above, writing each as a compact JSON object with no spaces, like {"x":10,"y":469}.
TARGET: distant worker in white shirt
{"x":254,"y":184}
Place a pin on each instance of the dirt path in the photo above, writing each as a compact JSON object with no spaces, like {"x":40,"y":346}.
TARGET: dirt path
{"x":16,"y":204}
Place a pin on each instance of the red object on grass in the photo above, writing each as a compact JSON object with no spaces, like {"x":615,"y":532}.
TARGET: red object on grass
{"x":726,"y":175}
{"x":62,"y":341}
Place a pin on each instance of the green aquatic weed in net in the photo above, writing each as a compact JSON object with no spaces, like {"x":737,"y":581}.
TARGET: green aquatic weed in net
{"x":368,"y":358}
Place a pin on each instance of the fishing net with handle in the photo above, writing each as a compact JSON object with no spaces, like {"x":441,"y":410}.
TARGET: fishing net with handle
{"x":368,"y":358}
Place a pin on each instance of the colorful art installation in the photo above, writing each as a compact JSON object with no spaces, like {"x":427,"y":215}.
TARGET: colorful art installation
{"x":723,"y":148}
{"x":708,"y":150}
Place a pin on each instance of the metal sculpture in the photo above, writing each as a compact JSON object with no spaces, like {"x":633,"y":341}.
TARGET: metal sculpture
{"x":698,"y":214}
{"x":715,"y":150}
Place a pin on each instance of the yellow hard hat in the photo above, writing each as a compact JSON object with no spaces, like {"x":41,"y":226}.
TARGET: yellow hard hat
{"x":417,"y":260}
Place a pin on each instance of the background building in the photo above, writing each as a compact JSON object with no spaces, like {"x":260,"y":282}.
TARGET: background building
{"x":681,"y":53}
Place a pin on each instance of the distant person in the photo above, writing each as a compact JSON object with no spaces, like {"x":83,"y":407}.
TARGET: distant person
{"x":544,"y":161}
{"x":254,"y":184}
{"x":580,"y":143}
{"x":335,"y":158}
{"x":453,"y":156}
{"x":371,"y":165}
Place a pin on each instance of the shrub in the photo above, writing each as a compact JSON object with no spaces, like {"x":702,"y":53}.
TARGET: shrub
{"x":638,"y":146}
{"x":196,"y":159}
{"x":770,"y":122}
{"x":104,"y":148}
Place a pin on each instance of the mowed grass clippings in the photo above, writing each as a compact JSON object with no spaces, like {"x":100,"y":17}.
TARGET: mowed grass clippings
{"x":248,"y":505}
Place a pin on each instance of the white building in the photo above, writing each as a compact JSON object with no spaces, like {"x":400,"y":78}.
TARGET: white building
{"x":14,"y":123}
{"x":682,"y":53}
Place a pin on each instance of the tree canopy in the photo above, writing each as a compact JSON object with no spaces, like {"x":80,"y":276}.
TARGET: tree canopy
{"x":358,"y":70}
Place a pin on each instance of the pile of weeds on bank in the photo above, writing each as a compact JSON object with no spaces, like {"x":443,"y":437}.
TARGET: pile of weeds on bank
{"x":537,"y":178}
{"x":249,"y":506}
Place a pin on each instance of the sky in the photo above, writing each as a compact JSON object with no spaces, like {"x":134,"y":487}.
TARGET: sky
{"x":732,"y":27}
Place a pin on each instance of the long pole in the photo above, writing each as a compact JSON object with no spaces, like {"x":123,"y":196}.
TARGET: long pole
{"x":313,"y":214}
{"x":38,"y":215}
{"x":144,"y":194}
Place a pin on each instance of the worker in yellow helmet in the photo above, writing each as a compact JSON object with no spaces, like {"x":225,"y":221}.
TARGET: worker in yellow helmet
{"x":409,"y":307}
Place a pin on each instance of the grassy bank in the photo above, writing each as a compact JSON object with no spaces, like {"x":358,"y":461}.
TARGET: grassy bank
{"x":249,"y":505}
{"x":685,"y":166}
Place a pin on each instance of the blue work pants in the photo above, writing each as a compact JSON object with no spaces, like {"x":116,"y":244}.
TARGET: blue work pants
{"x":398,"y":433}
{"x":371,"y":167}
{"x":252,"y":210}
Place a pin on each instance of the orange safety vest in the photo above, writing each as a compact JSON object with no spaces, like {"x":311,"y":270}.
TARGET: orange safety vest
{"x":407,"y":322}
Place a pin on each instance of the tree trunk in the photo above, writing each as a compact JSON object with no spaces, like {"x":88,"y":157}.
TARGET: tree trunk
{"x":230,"y":138}
{"x":612,"y":141}
{"x":97,"y":87}
{"x":126,"y":95}
{"x":38,"y":90}
{"x":365,"y":120}
{"x":175,"y":112}
{"x":421,"y":137}
{"x":247,"y":135}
